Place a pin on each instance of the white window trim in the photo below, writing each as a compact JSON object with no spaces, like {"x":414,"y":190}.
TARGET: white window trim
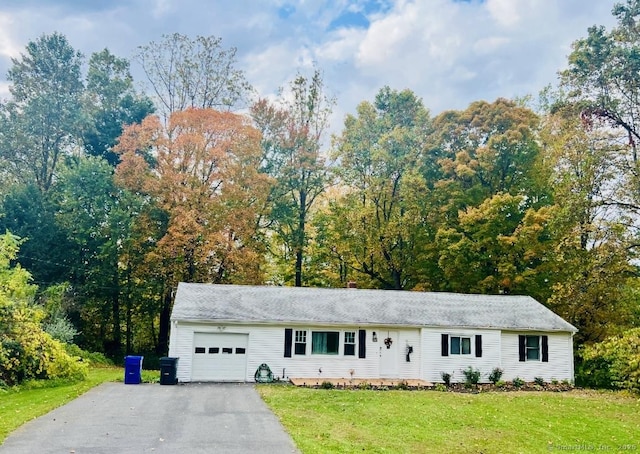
{"x":461,"y":336}
{"x":527,"y":348}
{"x":341,"y":342}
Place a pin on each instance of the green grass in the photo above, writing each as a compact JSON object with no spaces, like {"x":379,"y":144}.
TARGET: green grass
{"x":30,"y":400}
{"x":325,"y":421}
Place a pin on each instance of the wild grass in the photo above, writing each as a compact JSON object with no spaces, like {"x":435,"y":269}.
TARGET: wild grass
{"x":339,"y":421}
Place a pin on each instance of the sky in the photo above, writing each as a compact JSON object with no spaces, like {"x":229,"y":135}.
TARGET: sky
{"x":449,"y":52}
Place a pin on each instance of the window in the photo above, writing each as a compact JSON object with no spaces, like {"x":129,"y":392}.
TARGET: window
{"x":214,"y":350}
{"x":200,"y":349}
{"x":301,"y":343}
{"x":533,"y":348}
{"x":325,"y":342}
{"x":349,"y":343}
{"x":460,"y":345}
{"x":227,"y":350}
{"x":240,"y":351}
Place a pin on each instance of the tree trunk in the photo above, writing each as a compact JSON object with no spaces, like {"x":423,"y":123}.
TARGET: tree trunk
{"x":163,"y":329}
{"x":300,"y":237}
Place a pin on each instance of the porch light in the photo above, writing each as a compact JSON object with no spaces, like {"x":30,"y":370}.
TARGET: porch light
{"x":374,"y":337}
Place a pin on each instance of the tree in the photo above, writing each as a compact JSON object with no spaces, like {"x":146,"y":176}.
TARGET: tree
{"x":28,"y":212}
{"x":111,"y":103}
{"x":196,"y":73}
{"x":500,"y":246}
{"x":381,"y":221}
{"x":593,"y":255}
{"x":204,"y":175}
{"x":487,"y":149}
{"x":97,"y":217}
{"x":292,"y":132}
{"x":42,"y":121}
{"x":603,"y":80}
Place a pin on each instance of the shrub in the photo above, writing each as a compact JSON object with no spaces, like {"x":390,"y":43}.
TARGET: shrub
{"x":403,"y":385}
{"x":495,"y":375}
{"x":554,"y":381}
{"x":27,"y":352}
{"x":365,"y":385}
{"x":539,"y":381}
{"x":93,"y":358}
{"x":500,"y":384}
{"x":471,"y":376}
{"x":611,"y":364}
{"x":518,"y":382}
{"x":446,"y":378}
{"x":440,"y":387}
{"x":326,"y":385}
{"x":60,"y":328}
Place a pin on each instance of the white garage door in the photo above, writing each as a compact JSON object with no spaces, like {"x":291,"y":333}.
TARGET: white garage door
{"x":219,"y":357}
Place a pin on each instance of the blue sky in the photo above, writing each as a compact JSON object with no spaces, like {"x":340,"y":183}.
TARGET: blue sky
{"x":449,"y":52}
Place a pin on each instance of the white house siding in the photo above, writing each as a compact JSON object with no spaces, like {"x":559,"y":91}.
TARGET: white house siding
{"x":434,"y":364}
{"x":270,"y":350}
{"x":559,"y":366}
{"x":266,"y":345}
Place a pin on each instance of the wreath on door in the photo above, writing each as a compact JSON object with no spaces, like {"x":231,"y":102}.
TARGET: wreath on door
{"x":388,"y":341}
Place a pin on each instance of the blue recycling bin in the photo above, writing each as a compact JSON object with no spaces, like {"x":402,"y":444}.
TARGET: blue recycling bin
{"x":133,"y":370}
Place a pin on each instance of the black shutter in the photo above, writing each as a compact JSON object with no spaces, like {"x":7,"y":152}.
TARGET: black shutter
{"x":478,"y":346}
{"x":522,"y":347}
{"x":288,"y":340}
{"x":545,"y":349}
{"x":444,"y":345}
{"x":362,"y":343}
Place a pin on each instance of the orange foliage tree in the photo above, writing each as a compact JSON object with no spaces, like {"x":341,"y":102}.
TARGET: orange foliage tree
{"x":202,"y":169}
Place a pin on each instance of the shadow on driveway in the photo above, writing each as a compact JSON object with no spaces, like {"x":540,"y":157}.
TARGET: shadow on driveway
{"x":192,"y":418}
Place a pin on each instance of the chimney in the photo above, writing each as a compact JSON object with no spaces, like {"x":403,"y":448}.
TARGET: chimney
{"x":352,"y":284}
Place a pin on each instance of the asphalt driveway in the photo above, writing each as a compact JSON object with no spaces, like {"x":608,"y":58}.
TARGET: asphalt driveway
{"x":192,"y":418}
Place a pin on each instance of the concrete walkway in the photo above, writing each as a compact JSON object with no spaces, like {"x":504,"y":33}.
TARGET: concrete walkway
{"x":150,"y":418}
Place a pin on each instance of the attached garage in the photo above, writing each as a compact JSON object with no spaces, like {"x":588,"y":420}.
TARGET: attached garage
{"x":219,"y":356}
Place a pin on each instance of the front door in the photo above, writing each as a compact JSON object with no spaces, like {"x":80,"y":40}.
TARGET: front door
{"x":389,"y":354}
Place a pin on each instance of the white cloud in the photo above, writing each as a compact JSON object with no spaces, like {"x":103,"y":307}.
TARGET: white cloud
{"x":8,"y":46}
{"x":450,"y":53}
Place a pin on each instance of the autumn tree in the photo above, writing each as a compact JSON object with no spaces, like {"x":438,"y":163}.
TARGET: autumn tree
{"x":593,"y":255}
{"x":488,"y":148}
{"x":380,"y":221}
{"x":192,"y":73}
{"x":499,"y":247}
{"x":292,"y":130}
{"x":202,"y":169}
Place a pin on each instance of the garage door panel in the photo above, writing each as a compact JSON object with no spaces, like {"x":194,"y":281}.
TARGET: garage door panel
{"x":219,"y":357}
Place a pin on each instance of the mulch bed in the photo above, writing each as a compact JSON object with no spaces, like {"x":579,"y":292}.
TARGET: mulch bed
{"x":410,"y":384}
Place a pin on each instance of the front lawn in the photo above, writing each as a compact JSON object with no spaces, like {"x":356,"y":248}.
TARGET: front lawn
{"x":323,"y":421}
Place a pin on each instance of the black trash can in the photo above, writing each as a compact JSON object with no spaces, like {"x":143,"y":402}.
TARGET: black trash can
{"x":133,"y":370}
{"x":168,"y":370}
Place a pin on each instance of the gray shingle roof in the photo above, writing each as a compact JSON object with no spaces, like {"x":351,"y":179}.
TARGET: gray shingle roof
{"x":357,"y":307}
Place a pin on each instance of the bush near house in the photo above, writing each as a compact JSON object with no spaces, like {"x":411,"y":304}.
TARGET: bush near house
{"x":611,"y":364}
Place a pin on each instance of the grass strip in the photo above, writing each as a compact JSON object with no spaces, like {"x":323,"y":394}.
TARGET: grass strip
{"x":332,"y":421}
